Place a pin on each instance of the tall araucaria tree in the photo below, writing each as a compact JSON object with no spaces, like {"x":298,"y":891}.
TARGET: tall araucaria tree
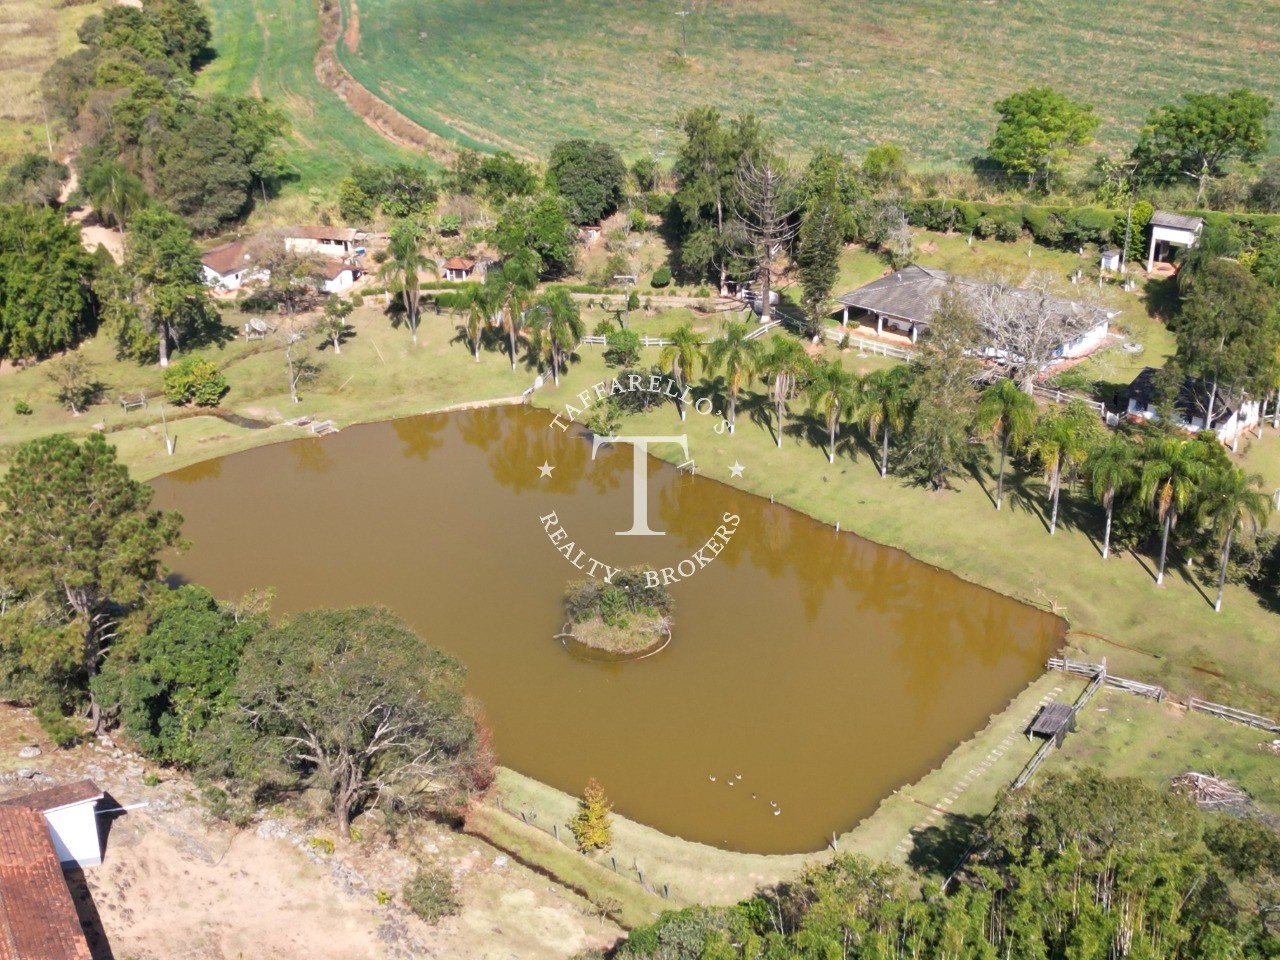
{"x":77,"y":529}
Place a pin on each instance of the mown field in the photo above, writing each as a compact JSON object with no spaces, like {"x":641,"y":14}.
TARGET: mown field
{"x":267,"y":48}
{"x":923,"y":74}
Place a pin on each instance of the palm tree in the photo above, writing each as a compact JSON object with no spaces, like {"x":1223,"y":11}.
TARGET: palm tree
{"x":738,"y":357}
{"x":833,"y":393}
{"x":783,"y":366}
{"x":116,"y":193}
{"x":1007,"y":412}
{"x":1113,"y":470}
{"x":886,"y":401}
{"x":1170,"y":478}
{"x":1060,"y":443}
{"x":682,"y":355}
{"x":481,"y":307}
{"x":405,"y":260}
{"x":560,"y":328}
{"x":1232,"y":501}
{"x":513,"y":285}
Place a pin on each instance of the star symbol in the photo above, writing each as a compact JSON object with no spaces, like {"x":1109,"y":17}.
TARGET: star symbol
{"x":736,"y":469}
{"x":545,"y":469}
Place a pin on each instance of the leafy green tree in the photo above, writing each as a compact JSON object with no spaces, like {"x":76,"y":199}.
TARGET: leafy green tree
{"x":404,"y":264}
{"x":76,"y":380}
{"x":738,"y":357}
{"x":706,"y":198}
{"x":356,"y":703}
{"x":1172,"y":473}
{"x":185,"y":27}
{"x":1008,"y":414}
{"x":332,"y":324}
{"x":175,"y":681}
{"x":1060,"y":443}
{"x":116,"y":194}
{"x":539,"y":226}
{"x":885,"y":406}
{"x":590,"y":175}
{"x":592,"y":825}
{"x":79,"y":532}
{"x":1232,"y":501}
{"x":159,"y":298}
{"x":885,"y":165}
{"x":288,"y":279}
{"x":1038,"y":132}
{"x":833,"y":395}
{"x":821,"y":238}
{"x":481,"y":307}
{"x":621,"y":348}
{"x":560,"y":325}
{"x":782,"y":365}
{"x":942,"y":396}
{"x":46,"y":303}
{"x":1228,"y":332}
{"x":354,"y":205}
{"x":194,"y":380}
{"x":1112,"y":467}
{"x":1195,"y":138}
{"x":34,"y":179}
{"x":505,"y":176}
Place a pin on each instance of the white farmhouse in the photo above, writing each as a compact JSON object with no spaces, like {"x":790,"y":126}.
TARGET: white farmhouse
{"x":1230,"y":417}
{"x":228,"y":267}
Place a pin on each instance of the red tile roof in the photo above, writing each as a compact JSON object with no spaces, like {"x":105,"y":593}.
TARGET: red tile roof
{"x":332,"y":269}
{"x":63,"y":795}
{"x":459,"y":263}
{"x":225,"y":259}
{"x":38,"y":919}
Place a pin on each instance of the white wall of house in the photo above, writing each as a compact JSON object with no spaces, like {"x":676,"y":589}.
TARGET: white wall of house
{"x":1164,"y":237}
{"x":74,"y":830}
{"x":341,"y":283}
{"x":1085,"y":342}
{"x":450,"y":274}
{"x":331,"y":248}
{"x":1246,"y":417}
{"x":224,"y":281}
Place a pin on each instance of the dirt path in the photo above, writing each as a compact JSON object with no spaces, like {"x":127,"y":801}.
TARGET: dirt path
{"x":379,"y":115}
{"x":175,"y":884}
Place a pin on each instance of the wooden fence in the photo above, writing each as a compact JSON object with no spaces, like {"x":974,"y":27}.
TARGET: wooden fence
{"x":1046,"y":748}
{"x":876,"y":348}
{"x":1081,"y":668}
{"x":1061,"y":396}
{"x":1231,"y":713}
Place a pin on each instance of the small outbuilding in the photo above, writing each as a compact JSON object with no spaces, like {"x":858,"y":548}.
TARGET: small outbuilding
{"x":459,"y":268}
{"x":339,"y":277}
{"x":1110,"y":261}
{"x":1228,"y":418}
{"x":71,"y":811}
{"x":1170,"y":230}
{"x":228,"y":266}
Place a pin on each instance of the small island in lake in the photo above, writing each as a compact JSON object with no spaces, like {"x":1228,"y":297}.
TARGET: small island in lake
{"x":622,"y":616}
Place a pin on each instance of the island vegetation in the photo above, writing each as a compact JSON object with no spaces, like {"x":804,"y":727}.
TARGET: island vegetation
{"x":621,"y":615}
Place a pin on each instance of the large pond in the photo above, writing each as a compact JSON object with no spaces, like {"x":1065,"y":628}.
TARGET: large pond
{"x":811,"y":672}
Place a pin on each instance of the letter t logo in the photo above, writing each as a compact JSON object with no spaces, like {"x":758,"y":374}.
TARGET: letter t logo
{"x":640,"y":479}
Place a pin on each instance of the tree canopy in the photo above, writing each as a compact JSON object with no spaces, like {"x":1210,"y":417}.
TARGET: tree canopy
{"x":357,"y":703}
{"x":1038,"y":131}
{"x":589,"y":175}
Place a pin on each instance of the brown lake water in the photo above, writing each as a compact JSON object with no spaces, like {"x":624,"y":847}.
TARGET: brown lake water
{"x":823,"y":670}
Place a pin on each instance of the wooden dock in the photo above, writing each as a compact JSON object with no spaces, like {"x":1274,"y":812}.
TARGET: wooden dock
{"x":1051,"y":720}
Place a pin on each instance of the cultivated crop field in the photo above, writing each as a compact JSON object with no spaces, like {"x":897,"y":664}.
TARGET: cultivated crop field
{"x":522,"y":74}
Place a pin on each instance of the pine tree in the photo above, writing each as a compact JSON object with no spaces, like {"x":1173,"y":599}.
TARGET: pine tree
{"x":592,"y":825}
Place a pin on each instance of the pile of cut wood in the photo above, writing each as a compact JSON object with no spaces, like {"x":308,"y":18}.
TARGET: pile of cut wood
{"x":1211,"y":793}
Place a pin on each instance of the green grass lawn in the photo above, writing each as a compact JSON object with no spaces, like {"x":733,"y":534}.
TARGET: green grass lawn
{"x":922,"y":74}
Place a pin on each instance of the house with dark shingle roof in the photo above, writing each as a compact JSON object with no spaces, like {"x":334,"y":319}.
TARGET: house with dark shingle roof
{"x":905,"y":302}
{"x":1228,"y":418}
{"x":1169,"y":230}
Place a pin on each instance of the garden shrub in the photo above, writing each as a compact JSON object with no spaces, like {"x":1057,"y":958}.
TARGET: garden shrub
{"x":984,"y":228}
{"x":1008,"y":232}
{"x":194,"y":380}
{"x":431,"y":894}
{"x":661,"y":277}
{"x":22,"y":408}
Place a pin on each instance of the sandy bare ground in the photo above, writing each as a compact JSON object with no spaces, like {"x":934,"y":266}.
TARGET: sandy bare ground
{"x":176,"y":884}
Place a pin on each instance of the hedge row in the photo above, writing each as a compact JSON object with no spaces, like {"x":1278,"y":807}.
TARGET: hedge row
{"x":1064,"y":227}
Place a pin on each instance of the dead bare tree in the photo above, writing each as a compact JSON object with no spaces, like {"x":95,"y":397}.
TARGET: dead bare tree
{"x":767,"y":213}
{"x":1026,"y":325}
{"x":301,"y":368}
